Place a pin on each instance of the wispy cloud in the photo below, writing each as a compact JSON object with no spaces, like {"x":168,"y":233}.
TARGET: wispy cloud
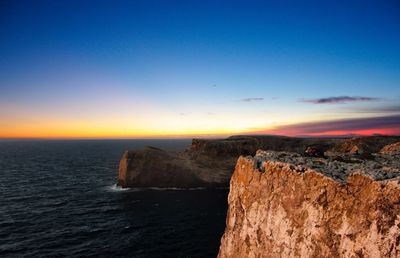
{"x":252,"y":99}
{"x":384,"y":125}
{"x":339,"y":100}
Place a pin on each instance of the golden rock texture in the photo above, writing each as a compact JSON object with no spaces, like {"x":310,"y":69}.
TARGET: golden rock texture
{"x":285,"y":205}
{"x":391,"y":149}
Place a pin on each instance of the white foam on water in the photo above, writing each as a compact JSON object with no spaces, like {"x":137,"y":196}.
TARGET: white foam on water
{"x":117,"y":188}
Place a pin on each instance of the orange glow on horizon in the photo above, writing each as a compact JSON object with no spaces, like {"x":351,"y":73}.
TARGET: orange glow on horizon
{"x":168,"y":126}
{"x":99,"y":134}
{"x":107,"y":133}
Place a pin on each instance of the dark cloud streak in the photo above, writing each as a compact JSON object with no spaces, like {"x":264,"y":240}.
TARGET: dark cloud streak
{"x":344,"y":125}
{"x":338,"y":100}
{"x":252,"y":99}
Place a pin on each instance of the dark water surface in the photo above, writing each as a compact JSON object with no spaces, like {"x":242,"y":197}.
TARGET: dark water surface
{"x":58,"y":198}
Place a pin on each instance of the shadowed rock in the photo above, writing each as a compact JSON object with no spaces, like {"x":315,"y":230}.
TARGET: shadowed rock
{"x":155,"y":167}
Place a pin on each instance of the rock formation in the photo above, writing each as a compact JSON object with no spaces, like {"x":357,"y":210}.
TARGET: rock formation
{"x":360,"y":145}
{"x":392,"y":149}
{"x":154,"y":167}
{"x":283,"y":204}
{"x":210,"y":163}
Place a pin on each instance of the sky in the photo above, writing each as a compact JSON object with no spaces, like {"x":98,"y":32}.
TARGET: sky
{"x":137,"y":69}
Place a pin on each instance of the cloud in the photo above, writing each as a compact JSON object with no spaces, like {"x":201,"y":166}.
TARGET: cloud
{"x":338,"y":100}
{"x":252,"y":99}
{"x":371,"y":125}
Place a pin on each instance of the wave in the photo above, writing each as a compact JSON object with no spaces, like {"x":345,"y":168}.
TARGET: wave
{"x":117,"y":188}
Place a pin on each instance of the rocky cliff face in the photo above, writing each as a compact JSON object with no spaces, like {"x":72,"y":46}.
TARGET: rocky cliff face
{"x":154,"y":167}
{"x":211,"y":163}
{"x":286,"y":205}
{"x":391,"y":149}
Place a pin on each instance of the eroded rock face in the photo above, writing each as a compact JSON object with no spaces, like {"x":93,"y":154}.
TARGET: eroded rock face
{"x":392,"y":149}
{"x":154,"y":167}
{"x":286,"y":205}
{"x":360,"y":145}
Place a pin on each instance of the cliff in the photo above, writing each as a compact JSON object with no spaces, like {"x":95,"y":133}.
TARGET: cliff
{"x":154,"y":167}
{"x":282,"y":204}
{"x":210,"y":163}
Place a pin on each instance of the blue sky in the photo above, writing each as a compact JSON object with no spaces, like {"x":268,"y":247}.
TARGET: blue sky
{"x":137,"y":68}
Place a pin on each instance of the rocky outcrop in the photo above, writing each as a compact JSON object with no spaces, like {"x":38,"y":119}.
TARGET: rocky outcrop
{"x":154,"y":167}
{"x":363,"y":145}
{"x":286,"y":205}
{"x":210,"y":163}
{"x":392,"y":149}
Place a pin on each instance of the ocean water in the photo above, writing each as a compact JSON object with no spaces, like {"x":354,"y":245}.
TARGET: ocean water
{"x":59,"y":199}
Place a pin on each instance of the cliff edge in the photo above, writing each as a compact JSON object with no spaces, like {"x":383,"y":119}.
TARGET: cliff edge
{"x":210,"y":163}
{"x":283,"y":204}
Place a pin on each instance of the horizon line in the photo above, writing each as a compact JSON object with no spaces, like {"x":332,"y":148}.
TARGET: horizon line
{"x":189,"y":137}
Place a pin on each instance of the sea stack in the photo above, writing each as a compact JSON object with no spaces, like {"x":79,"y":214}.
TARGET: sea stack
{"x":282,"y":204}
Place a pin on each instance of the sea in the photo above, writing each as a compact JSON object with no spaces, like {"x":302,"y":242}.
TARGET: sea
{"x":59,"y":199}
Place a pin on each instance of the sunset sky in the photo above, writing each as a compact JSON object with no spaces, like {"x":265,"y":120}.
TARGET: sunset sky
{"x":126,"y":69}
